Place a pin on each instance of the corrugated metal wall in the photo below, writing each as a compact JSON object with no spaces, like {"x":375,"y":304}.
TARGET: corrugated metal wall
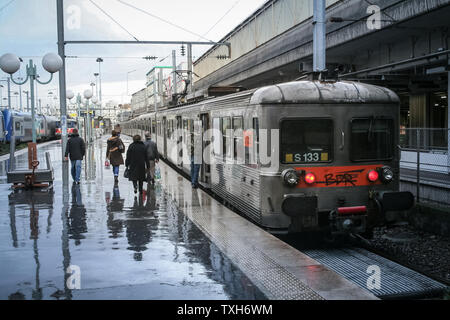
{"x":276,"y":17}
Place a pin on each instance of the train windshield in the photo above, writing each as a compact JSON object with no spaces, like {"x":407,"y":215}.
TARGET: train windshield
{"x":306,"y":141}
{"x":71,"y":124}
{"x":372,"y":139}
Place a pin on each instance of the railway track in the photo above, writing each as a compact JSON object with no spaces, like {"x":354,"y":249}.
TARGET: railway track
{"x":360,"y":266}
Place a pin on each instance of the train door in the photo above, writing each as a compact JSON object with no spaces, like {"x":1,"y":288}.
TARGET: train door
{"x":205,"y":171}
{"x":164,"y":130}
{"x":2,"y":128}
{"x":179,"y":139}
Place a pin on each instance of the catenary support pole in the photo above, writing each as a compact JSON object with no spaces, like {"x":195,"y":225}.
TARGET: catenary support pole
{"x":12,"y":142}
{"x":190,"y":71}
{"x":32,"y":74}
{"x":319,"y":36}
{"x":174,"y":65}
{"x":62,"y":87}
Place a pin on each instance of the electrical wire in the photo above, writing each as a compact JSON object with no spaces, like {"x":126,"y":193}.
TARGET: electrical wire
{"x":226,"y":13}
{"x":163,"y":20}
{"x":109,"y":16}
{"x":1,"y":9}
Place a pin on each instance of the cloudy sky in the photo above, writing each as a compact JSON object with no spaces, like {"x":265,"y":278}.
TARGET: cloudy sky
{"x":28,"y":29}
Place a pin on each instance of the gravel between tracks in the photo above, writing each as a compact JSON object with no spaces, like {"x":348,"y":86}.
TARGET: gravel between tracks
{"x":424,"y":251}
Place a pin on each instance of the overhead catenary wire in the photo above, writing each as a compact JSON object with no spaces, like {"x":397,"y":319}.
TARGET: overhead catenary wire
{"x":109,"y":16}
{"x":163,"y":20}
{"x":4,"y":7}
{"x":221,"y":18}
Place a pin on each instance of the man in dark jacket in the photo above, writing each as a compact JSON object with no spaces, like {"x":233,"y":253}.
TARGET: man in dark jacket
{"x":76,"y":149}
{"x":137,"y":163}
{"x":152,"y":155}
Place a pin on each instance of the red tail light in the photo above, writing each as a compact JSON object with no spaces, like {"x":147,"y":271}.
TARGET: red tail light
{"x":373,"y":176}
{"x":352,"y":210}
{"x":58,"y":130}
{"x":310,"y":178}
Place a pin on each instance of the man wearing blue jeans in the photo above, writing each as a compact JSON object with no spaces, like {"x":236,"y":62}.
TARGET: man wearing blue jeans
{"x":76,"y":149}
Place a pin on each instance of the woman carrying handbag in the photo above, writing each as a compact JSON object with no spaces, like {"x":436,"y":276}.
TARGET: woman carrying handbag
{"x":137,"y":163}
{"x":114,"y":150}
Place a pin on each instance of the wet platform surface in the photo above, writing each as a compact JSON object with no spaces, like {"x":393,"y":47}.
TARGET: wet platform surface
{"x":125,"y":247}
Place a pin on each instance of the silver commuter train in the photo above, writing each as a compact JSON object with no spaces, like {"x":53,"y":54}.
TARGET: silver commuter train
{"x":338,"y":160}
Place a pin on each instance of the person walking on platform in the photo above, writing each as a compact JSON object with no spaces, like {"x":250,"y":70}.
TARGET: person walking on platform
{"x":76,"y":149}
{"x":137,"y":163}
{"x":152,"y":155}
{"x":118,"y":129}
{"x":114,"y":150}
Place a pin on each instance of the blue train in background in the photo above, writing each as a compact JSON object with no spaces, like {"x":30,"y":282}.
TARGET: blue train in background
{"x":21,"y":123}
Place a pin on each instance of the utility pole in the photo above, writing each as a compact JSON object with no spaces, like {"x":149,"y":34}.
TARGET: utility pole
{"x":319,"y":36}
{"x":190,"y":71}
{"x":160,"y":86}
{"x":154,"y":90}
{"x":62,"y":88}
{"x":174,"y":64}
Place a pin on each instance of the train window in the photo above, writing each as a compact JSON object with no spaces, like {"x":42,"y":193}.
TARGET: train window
{"x":17,"y":126}
{"x":255,"y":125}
{"x":153,"y":127}
{"x":237,"y":137}
{"x":372,"y":139}
{"x":226,"y":137}
{"x":217,"y":136}
{"x":306,"y":141}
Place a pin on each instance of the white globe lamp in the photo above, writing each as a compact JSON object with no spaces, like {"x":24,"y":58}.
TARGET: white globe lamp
{"x":9,"y":63}
{"x":70,"y":94}
{"x":52,"y":62}
{"x":87,"y":94}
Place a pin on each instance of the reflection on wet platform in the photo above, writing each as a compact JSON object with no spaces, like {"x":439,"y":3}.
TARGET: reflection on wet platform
{"x":126,"y":247}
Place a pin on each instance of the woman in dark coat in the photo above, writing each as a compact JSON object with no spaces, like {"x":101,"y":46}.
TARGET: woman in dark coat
{"x":114,"y":150}
{"x":137,"y":163}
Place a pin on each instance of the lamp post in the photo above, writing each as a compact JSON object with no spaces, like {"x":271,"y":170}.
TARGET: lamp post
{"x":96,"y":82}
{"x":100,"y":60}
{"x":69,"y":96}
{"x":94,"y":102}
{"x":88,"y":95}
{"x":10,"y":64}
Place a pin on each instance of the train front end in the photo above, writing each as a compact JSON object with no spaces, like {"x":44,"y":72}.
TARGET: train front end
{"x":338,"y":157}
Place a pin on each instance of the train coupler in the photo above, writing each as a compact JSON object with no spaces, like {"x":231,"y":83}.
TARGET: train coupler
{"x":348,"y":219}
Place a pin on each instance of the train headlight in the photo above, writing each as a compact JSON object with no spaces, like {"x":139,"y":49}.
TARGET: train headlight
{"x":290,"y":177}
{"x":387,"y":175}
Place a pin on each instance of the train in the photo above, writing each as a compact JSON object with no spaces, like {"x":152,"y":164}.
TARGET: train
{"x":297,"y":157}
{"x":71,"y":124}
{"x":21,"y":123}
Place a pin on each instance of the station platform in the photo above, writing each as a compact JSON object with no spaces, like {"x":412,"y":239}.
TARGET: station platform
{"x":172,"y":243}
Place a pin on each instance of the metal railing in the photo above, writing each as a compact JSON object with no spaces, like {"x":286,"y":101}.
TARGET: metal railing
{"x":425,"y":163}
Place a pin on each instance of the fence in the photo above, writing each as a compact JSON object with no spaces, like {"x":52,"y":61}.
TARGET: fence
{"x":425,"y":164}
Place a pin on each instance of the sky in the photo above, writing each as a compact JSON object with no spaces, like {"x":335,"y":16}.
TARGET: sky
{"x":28,"y":29}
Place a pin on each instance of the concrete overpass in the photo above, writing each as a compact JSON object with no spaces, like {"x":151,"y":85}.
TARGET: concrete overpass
{"x":405,"y":30}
